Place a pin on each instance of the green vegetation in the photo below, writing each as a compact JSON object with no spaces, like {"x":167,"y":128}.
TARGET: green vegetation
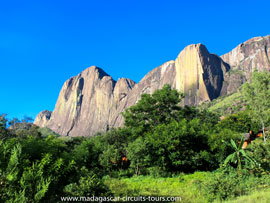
{"x":236,"y":72}
{"x":225,"y":105}
{"x":184,"y":186}
{"x":239,"y":122}
{"x":262,"y":196}
{"x":257,"y":96}
{"x":45,"y":132}
{"x":163,"y":149}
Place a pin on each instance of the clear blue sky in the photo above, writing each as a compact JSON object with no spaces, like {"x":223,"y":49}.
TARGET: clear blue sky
{"x":44,"y":42}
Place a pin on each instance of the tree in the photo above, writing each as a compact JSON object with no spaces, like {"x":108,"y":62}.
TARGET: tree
{"x":4,"y":133}
{"x":178,"y":146}
{"x":109,"y":159}
{"x":23,"y":184}
{"x":160,"y":107}
{"x":257,"y":96}
{"x":12,"y":123}
{"x":239,"y":122}
{"x":260,"y":152}
{"x":137,"y":153}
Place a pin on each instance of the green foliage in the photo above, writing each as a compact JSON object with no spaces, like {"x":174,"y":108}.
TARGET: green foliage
{"x":228,"y":184}
{"x":45,"y":132}
{"x":110,"y":158}
{"x":184,"y":186}
{"x":89,"y":185}
{"x":113,"y":148}
{"x":225,"y":105}
{"x":86,"y":153}
{"x":219,"y":144}
{"x":239,"y":122}
{"x":137,"y":153}
{"x":178,"y":146}
{"x":165,"y":137}
{"x":257,"y":96}
{"x":12,"y":169}
{"x":35,"y":169}
{"x":33,"y":184}
{"x":260,"y":152}
{"x":261,"y":196}
{"x":222,"y":186}
{"x":238,"y":156}
{"x":151,"y":110}
{"x":4,"y":133}
{"x":22,"y":184}
{"x":160,"y":138}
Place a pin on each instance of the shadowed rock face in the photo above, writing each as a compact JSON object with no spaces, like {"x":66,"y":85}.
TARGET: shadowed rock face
{"x":92,"y":101}
{"x":244,"y":59}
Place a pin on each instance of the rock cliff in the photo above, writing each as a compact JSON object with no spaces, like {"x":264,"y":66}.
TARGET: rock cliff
{"x":42,"y":118}
{"x":199,"y":74}
{"x":251,"y":55}
{"x":86,"y":103}
{"x":92,"y":101}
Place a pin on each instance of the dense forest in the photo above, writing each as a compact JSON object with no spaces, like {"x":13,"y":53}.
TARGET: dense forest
{"x":163,"y":149}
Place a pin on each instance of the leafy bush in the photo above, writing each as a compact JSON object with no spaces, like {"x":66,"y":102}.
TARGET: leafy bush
{"x":42,"y":169}
{"x":260,"y":152}
{"x":227,"y":184}
{"x":239,"y":122}
{"x":88,"y":185}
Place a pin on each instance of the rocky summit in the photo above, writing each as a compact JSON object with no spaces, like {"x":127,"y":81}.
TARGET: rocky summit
{"x":93,"y":101}
{"x":251,"y":55}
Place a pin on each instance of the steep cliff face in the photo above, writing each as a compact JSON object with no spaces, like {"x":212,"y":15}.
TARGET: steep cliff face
{"x":92,"y":101}
{"x":244,"y":59}
{"x":199,"y":74}
{"x":86,"y":103}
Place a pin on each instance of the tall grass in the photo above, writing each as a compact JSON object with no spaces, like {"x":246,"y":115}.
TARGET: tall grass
{"x":184,"y":186}
{"x":199,"y":187}
{"x":262,"y":196}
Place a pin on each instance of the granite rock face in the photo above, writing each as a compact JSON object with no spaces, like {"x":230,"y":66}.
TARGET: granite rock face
{"x":251,"y":55}
{"x":92,"y":101}
{"x":42,"y":118}
{"x":87,"y":103}
{"x":199,"y":74}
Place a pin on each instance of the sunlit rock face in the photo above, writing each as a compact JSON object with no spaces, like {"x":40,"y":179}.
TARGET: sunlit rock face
{"x":251,"y":55}
{"x":87,"y":103}
{"x":92,"y":101}
{"x":199,"y":74}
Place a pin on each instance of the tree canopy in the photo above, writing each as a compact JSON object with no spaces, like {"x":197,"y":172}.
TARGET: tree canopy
{"x":160,"y":107}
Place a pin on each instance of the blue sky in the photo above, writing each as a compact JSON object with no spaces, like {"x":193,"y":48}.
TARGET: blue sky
{"x":43,"y":43}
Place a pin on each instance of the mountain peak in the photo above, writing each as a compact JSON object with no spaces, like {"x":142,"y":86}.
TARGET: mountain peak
{"x":92,"y":101}
{"x":254,"y":54}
